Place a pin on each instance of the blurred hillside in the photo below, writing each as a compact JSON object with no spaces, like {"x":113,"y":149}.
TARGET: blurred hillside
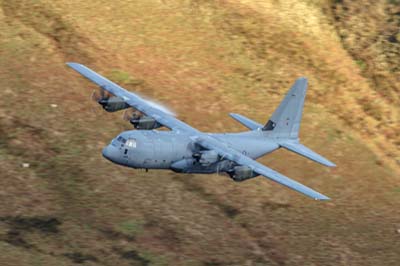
{"x":63,"y":204}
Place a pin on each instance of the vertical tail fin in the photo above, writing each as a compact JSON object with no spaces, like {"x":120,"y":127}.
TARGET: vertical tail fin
{"x":285,"y":121}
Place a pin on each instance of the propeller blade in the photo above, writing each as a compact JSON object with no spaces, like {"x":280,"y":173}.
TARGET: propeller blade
{"x":126,"y":116}
{"x":94,"y":96}
{"x":102,"y":93}
{"x":130,"y":114}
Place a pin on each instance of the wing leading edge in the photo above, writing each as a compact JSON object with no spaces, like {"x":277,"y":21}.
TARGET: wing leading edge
{"x":133,"y":99}
{"x":224,"y":151}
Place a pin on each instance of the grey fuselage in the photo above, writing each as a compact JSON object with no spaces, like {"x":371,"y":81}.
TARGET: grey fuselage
{"x":153,"y":149}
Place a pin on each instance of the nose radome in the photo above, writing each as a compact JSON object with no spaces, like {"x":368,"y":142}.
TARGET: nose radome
{"x":111,"y":153}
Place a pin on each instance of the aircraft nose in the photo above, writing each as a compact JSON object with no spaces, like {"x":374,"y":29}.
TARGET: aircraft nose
{"x":111,"y":153}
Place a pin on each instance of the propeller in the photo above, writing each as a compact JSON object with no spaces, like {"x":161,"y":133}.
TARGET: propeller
{"x":131,"y":115}
{"x":94,"y":107}
{"x":140,"y":120}
{"x":100,"y":96}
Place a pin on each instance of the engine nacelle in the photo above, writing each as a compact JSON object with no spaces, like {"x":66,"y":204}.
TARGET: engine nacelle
{"x":144,"y":122}
{"x":206,"y":157}
{"x":113,"y":104}
{"x":241,"y":173}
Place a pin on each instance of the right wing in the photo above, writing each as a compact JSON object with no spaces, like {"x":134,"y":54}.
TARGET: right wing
{"x":133,"y":99}
{"x":225,"y":151}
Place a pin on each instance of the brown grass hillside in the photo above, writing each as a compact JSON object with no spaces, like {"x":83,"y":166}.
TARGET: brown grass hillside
{"x":204,"y":59}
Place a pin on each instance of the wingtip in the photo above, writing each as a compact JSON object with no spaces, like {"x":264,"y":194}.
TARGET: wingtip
{"x":302,"y":79}
{"x":329,"y":163}
{"x":300,"y":83}
{"x":324,"y":198}
{"x":233,"y":114}
{"x":320,"y":197}
{"x":71,"y":64}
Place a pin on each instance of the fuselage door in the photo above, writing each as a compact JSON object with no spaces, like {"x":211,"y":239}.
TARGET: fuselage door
{"x":146,"y":148}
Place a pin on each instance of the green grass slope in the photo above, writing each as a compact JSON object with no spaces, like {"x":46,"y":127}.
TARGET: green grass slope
{"x":205,"y":59}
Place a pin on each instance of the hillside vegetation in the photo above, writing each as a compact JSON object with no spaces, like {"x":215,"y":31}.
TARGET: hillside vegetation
{"x":63,"y":204}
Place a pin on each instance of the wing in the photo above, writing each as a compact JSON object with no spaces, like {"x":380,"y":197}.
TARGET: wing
{"x":225,"y":151}
{"x":133,"y":100}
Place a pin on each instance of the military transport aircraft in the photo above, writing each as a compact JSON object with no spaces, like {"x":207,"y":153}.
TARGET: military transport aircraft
{"x":184,"y":149}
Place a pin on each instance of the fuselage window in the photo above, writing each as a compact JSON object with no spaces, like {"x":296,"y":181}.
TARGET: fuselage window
{"x":131,"y":143}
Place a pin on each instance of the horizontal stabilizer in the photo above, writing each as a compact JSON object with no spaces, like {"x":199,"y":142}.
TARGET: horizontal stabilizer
{"x":306,"y":152}
{"x":250,"y":124}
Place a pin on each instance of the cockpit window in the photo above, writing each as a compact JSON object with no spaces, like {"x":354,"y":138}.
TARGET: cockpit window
{"x":131,"y":143}
{"x":121,"y":139}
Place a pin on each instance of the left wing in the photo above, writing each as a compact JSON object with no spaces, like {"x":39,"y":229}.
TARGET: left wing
{"x":133,"y":100}
{"x":225,"y":151}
